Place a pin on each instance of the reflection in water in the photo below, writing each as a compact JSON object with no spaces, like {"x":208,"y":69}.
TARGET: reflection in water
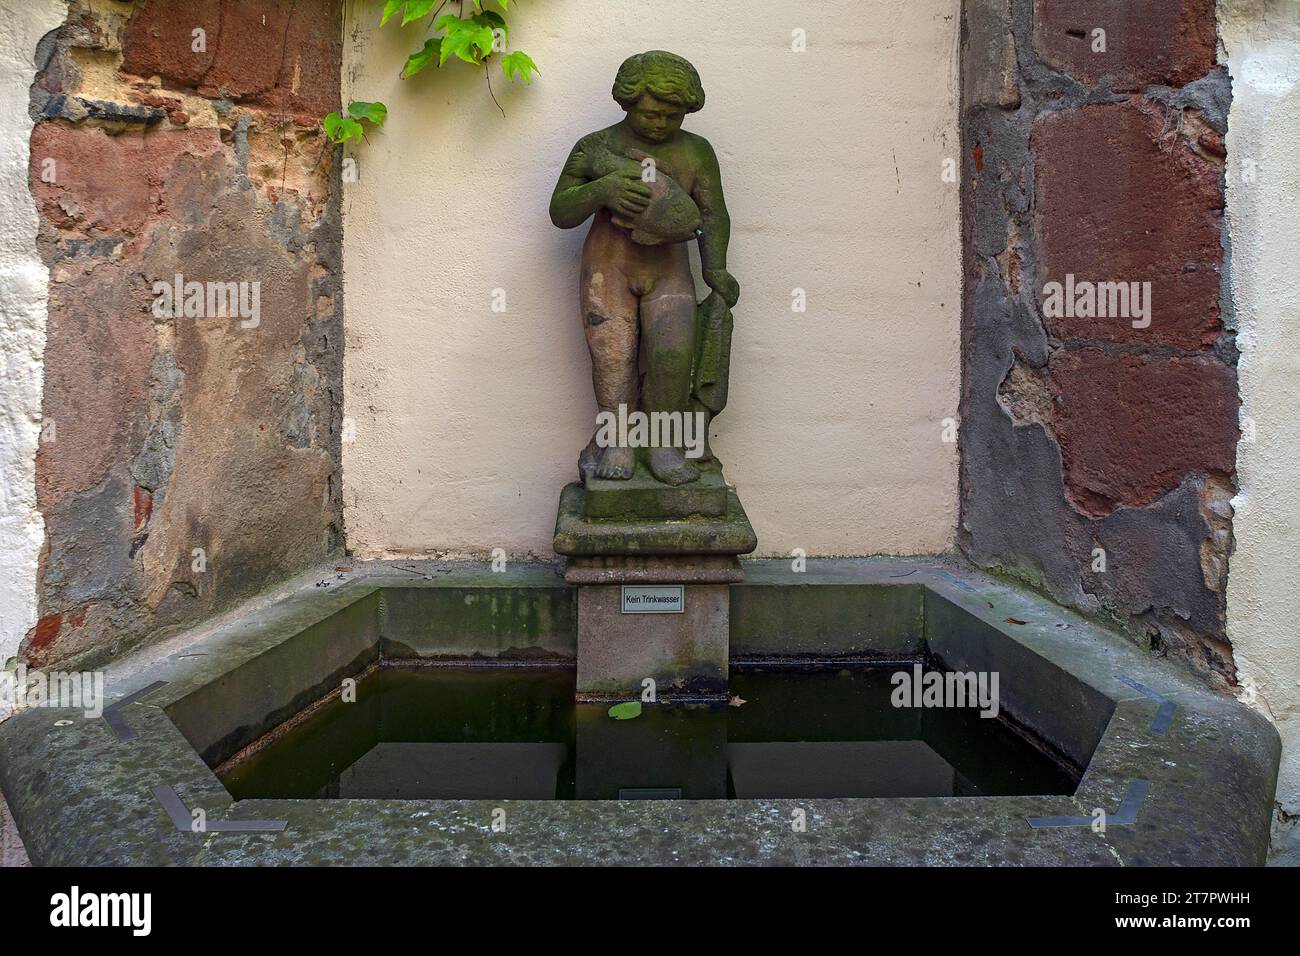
{"x":501,"y":734}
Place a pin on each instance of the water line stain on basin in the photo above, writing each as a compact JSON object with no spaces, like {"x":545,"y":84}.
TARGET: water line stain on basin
{"x":501,"y":733}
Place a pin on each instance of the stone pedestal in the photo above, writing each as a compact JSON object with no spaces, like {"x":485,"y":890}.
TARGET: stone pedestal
{"x":578,"y":535}
{"x":653,"y":594}
{"x":642,"y":498}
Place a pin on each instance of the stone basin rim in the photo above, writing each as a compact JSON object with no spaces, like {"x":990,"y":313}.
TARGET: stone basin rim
{"x":1211,"y":776}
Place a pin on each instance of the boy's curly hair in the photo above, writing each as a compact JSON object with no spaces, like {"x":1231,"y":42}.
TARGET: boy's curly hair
{"x":665,"y":76}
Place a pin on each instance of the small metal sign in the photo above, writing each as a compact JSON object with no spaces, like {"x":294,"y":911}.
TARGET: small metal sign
{"x":654,"y":599}
{"x":649,"y":793}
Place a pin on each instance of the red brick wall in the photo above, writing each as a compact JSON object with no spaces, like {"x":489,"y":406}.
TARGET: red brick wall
{"x":188,"y":462}
{"x":1098,"y":157}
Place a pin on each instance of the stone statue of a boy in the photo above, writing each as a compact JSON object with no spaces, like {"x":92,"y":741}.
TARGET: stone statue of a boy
{"x":651,"y":187}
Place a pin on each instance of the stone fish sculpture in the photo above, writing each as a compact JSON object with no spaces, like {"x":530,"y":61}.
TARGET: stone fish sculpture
{"x":671,"y":214}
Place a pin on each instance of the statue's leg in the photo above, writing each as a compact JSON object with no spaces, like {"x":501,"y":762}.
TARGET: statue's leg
{"x":609,"y":320}
{"x":668,"y":332}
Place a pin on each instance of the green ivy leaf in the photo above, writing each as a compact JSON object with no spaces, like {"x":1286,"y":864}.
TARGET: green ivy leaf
{"x":416,"y":9}
{"x":445,"y":50}
{"x":493,"y":21}
{"x":333,"y":124}
{"x":472,"y":39}
{"x":421,"y":58}
{"x":626,"y":710}
{"x":372,"y":112}
{"x":519,"y":66}
{"x":390,"y":8}
{"x":467,"y":40}
{"x":478,"y":4}
{"x":340,"y":129}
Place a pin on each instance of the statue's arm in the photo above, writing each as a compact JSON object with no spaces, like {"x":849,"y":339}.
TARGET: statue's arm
{"x":577,"y":197}
{"x":715,"y":228}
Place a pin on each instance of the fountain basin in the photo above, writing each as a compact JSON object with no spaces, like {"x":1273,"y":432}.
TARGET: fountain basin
{"x":1183,"y":775}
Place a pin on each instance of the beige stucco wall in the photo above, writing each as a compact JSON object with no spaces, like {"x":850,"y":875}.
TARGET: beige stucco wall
{"x":1262,"y":42}
{"x":464,"y":424}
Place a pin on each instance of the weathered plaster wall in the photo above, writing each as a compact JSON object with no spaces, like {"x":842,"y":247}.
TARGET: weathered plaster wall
{"x":467,"y":423}
{"x":1098,"y":459}
{"x":1261,"y":41}
{"x":189,"y":461}
{"x":23,"y":281}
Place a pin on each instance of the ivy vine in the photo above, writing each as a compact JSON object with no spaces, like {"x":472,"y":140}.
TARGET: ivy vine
{"x":476,"y":39}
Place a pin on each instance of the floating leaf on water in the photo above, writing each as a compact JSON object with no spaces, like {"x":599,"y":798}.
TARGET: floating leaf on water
{"x":626,"y":710}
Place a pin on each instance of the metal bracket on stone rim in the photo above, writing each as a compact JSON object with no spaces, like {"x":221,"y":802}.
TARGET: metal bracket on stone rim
{"x":1126,"y":815}
{"x":954,"y":580}
{"x":116,"y":722}
{"x":184,"y":821}
{"x":1164,"y":713}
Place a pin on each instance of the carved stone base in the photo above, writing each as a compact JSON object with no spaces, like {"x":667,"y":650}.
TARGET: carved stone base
{"x":654,"y":594}
{"x":578,"y":536}
{"x":642,"y":497}
{"x":684,"y":651}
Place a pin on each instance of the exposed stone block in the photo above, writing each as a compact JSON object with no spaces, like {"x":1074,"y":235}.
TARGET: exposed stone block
{"x":274,"y":53}
{"x":1122,"y":197}
{"x":1169,"y":42}
{"x":1132,"y":427}
{"x":989,"y":69}
{"x":99,"y":344}
{"x":160,"y":40}
{"x":90,"y":181}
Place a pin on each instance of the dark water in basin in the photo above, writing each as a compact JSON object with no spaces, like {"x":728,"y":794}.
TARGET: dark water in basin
{"x":489,"y":733}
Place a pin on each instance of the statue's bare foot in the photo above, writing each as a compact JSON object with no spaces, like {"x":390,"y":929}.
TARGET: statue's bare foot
{"x":670,"y":466}
{"x":616,"y":463}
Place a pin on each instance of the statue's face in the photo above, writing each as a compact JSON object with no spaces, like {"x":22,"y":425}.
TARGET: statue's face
{"x":655,"y":120}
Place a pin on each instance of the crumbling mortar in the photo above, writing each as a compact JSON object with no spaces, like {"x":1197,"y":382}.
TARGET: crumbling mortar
{"x":1115,"y":349}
